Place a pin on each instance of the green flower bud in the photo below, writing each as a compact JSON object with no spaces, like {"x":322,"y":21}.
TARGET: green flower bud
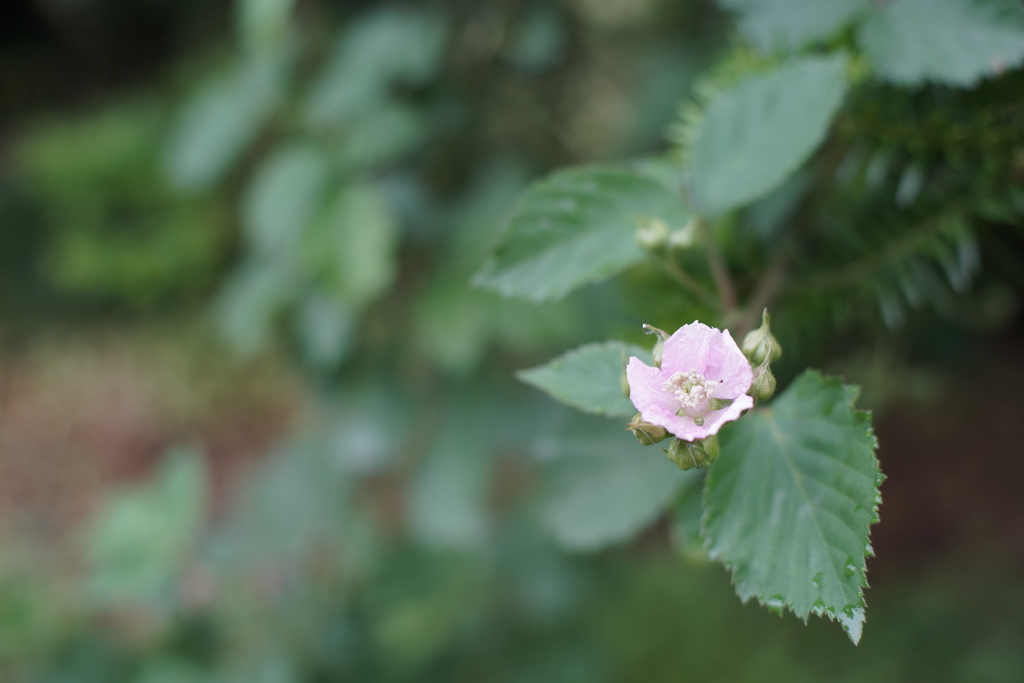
{"x":651,"y":233}
{"x":659,"y":346}
{"x":646,"y":433}
{"x":763,"y":385}
{"x":690,"y":454}
{"x":759,"y":344}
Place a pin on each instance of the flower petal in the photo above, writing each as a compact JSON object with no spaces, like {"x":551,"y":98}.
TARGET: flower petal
{"x":713,"y":421}
{"x":688,"y":347}
{"x":646,"y":388}
{"x":727,"y":365}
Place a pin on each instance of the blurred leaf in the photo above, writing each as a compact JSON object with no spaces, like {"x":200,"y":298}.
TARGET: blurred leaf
{"x":575,"y":227}
{"x":686,"y":521}
{"x":588,"y":378}
{"x":172,"y":671}
{"x":602,"y":490}
{"x":264,"y":22}
{"x":791,"y":24}
{"x":448,"y":501}
{"x":382,"y":47}
{"x":791,"y":498}
{"x":296,"y":504}
{"x":539,"y":40}
{"x":141,"y":538}
{"x":955,"y":42}
{"x":382,"y":135}
{"x":114,"y":231}
{"x":325,"y":326}
{"x":754,"y":135}
{"x":221,"y":119}
{"x":246,"y":304}
{"x":367,"y":429}
{"x":283,"y":197}
{"x":426,"y":604}
{"x":355,"y":242}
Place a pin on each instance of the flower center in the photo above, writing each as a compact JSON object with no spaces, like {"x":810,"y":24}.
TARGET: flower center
{"x":694,"y":394}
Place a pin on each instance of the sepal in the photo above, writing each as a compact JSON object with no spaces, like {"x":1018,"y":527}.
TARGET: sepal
{"x":659,"y":346}
{"x":645,"y":432}
{"x":688,"y":455}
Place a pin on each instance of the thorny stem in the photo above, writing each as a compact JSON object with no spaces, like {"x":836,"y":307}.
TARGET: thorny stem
{"x":688,"y":281}
{"x":719,"y":271}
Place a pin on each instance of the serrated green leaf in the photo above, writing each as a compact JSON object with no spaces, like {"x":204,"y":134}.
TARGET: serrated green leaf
{"x":791,"y":24}
{"x":576,"y":227}
{"x":754,"y":135}
{"x":602,"y":491}
{"x":956,"y":42}
{"x":789,"y":502}
{"x":588,"y":378}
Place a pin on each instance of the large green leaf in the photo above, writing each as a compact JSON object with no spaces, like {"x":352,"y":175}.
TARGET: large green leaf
{"x":588,"y":378}
{"x":603,"y":487}
{"x":754,"y":135}
{"x":789,"y":502}
{"x":956,"y":42}
{"x":575,"y":227}
{"x":791,"y":24}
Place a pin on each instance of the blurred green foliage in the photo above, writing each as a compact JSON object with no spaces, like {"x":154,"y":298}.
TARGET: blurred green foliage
{"x":326,"y":190}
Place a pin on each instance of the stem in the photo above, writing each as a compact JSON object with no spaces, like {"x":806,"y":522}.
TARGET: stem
{"x":764,"y":294}
{"x":688,"y":282}
{"x":719,"y":271}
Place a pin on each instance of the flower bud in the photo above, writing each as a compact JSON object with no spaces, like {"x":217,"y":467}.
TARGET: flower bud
{"x":646,"y":433}
{"x":684,"y":237}
{"x":763,"y":385}
{"x":651,"y":233}
{"x":690,"y":454}
{"x":759,"y":344}
{"x":659,"y":346}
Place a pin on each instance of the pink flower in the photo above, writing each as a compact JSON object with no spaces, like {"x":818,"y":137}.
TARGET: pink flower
{"x":701,"y":370}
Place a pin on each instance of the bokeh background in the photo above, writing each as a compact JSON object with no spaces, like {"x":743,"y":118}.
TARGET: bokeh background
{"x":256,"y":426}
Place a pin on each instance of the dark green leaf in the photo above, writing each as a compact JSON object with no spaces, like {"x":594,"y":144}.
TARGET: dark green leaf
{"x":588,"y":378}
{"x":754,"y":135}
{"x":576,"y":227}
{"x":789,"y":502}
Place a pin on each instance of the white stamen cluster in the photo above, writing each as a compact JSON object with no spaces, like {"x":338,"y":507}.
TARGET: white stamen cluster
{"x":693,"y":391}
